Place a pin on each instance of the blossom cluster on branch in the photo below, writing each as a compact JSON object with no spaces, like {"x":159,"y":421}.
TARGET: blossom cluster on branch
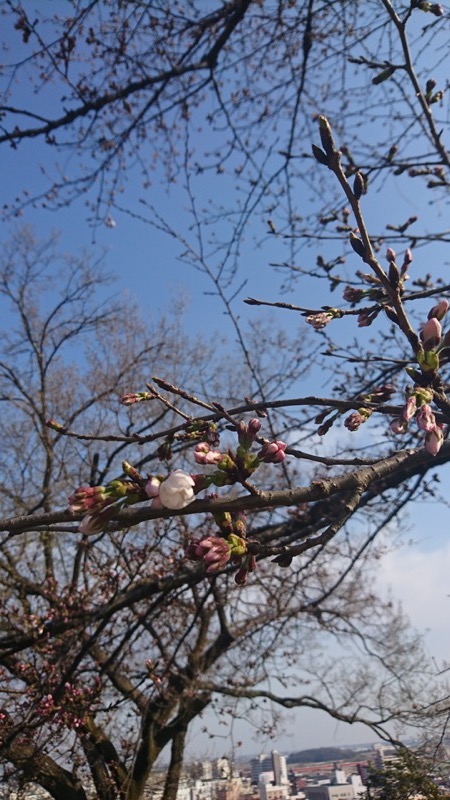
{"x":425,"y":401}
{"x":99,"y":504}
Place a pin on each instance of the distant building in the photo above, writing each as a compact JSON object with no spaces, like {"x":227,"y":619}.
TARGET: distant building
{"x":232,"y":789}
{"x":358,"y":784}
{"x":206,"y":770}
{"x":201,"y":790}
{"x":270,"y":791}
{"x":339,"y":776}
{"x":262,"y":763}
{"x":221,"y":768}
{"x":384,"y":755}
{"x":342,"y":792}
{"x":279,"y":767}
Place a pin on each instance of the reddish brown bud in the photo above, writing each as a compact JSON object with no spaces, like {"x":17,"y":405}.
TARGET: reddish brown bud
{"x":390,"y":254}
{"x":394,"y":275}
{"x":390,"y":313}
{"x":358,"y":185}
{"x":326,"y":136}
{"x":357,"y":245}
{"x":321,"y":157}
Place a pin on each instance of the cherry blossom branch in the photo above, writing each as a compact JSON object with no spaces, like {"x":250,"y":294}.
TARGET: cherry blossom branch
{"x":410,"y":461}
{"x":310,"y":401}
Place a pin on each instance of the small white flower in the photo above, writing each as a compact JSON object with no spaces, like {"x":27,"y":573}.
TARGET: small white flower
{"x":110,"y":221}
{"x":177,"y":491}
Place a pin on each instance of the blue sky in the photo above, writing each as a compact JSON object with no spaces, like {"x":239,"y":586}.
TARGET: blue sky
{"x":148,"y":267}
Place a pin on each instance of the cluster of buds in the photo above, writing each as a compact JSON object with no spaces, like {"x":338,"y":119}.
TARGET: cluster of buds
{"x":206,"y":456}
{"x":100,"y":504}
{"x":357,"y":418}
{"x":272,"y":452}
{"x":72,"y":708}
{"x":379,"y":394}
{"x":216,"y":552}
{"x":199,"y":429}
{"x":436,"y":347}
{"x":247,"y":433}
{"x":136,"y":397}
{"x":353,"y":295}
{"x":228,"y":546}
{"x":434,"y":8}
{"x":322,"y":318}
{"x":91,"y":499}
{"x":418,"y":407}
{"x":433,"y":97}
{"x":177,"y":490}
{"x":397,"y":275}
{"x":237,"y":466}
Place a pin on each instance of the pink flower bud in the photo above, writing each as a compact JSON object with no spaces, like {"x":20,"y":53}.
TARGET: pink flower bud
{"x":129,"y":399}
{"x":431,"y":333}
{"x":354,"y":420}
{"x":439,"y":310}
{"x":214,"y":551}
{"x":408,"y":258}
{"x":203,"y":454}
{"x":54,"y":425}
{"x":90,"y":498}
{"x":319,"y":321}
{"x":254,"y":427}
{"x":434,"y":440}
{"x":410,"y":408}
{"x":152,"y":487}
{"x":352,"y":294}
{"x":398,"y":425}
{"x":247,"y":433}
{"x":272,"y":452}
{"x":426,"y":419}
{"x":135,"y":397}
{"x":390,"y":254}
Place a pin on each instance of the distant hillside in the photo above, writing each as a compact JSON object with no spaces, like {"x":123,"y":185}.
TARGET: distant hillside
{"x":322,"y":754}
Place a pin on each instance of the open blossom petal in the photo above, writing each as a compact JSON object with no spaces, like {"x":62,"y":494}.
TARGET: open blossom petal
{"x":177,"y":491}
